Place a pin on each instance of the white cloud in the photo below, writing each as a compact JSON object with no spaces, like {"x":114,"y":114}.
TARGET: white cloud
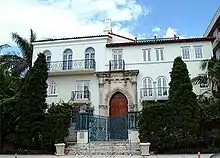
{"x":170,"y":32}
{"x":156,"y":29}
{"x":66,"y":18}
{"x":167,"y":33}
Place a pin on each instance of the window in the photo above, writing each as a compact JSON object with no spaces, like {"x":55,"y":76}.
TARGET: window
{"x":185,"y":53}
{"x":52,"y":88}
{"x":147,"y":55}
{"x":117,"y":59}
{"x":162,"y":89}
{"x":147,"y":90}
{"x":67,"y":59}
{"x":198,"y":52}
{"x":82,"y":90}
{"x":159,"y":54}
{"x":47,"y":53}
{"x":90,"y":58}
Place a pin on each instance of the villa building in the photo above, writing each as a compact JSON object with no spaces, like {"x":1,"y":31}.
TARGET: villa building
{"x":109,"y":76}
{"x":213,"y":30}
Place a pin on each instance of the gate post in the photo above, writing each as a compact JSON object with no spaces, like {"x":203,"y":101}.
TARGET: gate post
{"x":83,"y":128}
{"x":133,"y":134}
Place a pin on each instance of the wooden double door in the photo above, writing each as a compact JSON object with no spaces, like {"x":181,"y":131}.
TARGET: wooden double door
{"x":118,"y":110}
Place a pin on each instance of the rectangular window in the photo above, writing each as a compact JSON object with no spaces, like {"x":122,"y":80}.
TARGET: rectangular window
{"x":144,"y":55}
{"x":185,"y":53}
{"x":159,"y":54}
{"x":82,"y":90}
{"x":199,"y":52}
{"x":147,"y":55}
{"x":117,"y":62}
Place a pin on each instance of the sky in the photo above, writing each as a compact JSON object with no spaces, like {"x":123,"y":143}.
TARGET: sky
{"x":132,"y":18}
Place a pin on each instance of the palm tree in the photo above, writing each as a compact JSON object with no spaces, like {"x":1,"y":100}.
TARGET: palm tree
{"x":14,"y":63}
{"x":211,"y":76}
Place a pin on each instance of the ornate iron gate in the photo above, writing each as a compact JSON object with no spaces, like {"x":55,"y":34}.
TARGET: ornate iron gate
{"x":102,"y":128}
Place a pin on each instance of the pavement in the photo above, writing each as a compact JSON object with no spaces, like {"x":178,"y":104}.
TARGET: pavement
{"x":108,"y":156}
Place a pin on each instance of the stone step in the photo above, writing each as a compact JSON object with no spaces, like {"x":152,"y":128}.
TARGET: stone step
{"x":104,"y":148}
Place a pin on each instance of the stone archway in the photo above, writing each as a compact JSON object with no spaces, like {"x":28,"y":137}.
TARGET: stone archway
{"x":118,"y":110}
{"x":126,"y":94}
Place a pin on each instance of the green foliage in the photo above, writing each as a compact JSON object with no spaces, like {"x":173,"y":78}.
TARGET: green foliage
{"x":57,"y":125}
{"x":174,"y":124}
{"x":31,"y":105}
{"x":155,"y":126}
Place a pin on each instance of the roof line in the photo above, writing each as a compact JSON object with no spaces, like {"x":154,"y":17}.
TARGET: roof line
{"x":71,"y":38}
{"x":121,"y":36}
{"x":160,"y":42}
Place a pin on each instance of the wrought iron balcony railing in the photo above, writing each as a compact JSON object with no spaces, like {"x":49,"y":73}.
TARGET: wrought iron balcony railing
{"x":81,"y":95}
{"x":71,"y":65}
{"x":154,"y":93}
{"x":116,"y":65}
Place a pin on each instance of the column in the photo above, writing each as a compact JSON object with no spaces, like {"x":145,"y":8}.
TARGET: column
{"x":83,"y":128}
{"x":133,"y":134}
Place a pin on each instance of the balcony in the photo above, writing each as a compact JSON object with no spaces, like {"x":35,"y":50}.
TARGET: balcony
{"x":216,"y":43}
{"x":71,"y":67}
{"x":160,"y":93}
{"x":115,"y":65}
{"x":82,"y":97}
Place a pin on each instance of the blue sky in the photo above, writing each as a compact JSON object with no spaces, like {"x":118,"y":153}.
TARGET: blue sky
{"x":141,"y":18}
{"x":189,"y":17}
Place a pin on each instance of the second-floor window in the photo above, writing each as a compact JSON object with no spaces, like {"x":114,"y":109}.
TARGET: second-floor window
{"x":147,"y":55}
{"x":67,"y":59}
{"x":47,"y":53}
{"x":117,"y":59}
{"x":185,"y":52}
{"x":159,"y":54}
{"x":90,"y":58}
{"x":199,"y":52}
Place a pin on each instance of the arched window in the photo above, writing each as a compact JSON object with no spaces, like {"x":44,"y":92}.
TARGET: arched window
{"x":147,"y":90}
{"x":162,"y":87}
{"x":47,"y":53}
{"x":52,"y":88}
{"x":67,"y":59}
{"x":90,"y":58}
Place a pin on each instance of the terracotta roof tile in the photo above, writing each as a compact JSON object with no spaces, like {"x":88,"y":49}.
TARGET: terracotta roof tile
{"x":160,"y":41}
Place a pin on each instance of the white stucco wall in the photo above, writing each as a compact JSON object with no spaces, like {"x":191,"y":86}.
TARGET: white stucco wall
{"x":132,"y":55}
{"x":78,"y":46}
{"x":66,"y":84}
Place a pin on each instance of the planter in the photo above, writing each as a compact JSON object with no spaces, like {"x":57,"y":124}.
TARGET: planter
{"x":60,"y":149}
{"x":144,"y":147}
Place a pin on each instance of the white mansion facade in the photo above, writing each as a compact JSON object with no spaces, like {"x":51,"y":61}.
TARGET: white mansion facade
{"x":115,"y":74}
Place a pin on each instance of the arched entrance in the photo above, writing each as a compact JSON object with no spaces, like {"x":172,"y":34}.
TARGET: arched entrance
{"x":118,"y":110}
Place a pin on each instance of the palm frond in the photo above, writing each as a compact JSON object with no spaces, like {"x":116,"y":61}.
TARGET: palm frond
{"x":204,"y":64}
{"x":25,"y":46}
{"x":33,"y":36}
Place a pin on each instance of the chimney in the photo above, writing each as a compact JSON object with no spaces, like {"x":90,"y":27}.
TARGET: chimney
{"x":107,"y":26}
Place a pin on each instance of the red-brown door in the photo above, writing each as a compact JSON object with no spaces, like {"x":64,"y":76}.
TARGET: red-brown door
{"x":118,"y":105}
{"x":118,"y":117}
